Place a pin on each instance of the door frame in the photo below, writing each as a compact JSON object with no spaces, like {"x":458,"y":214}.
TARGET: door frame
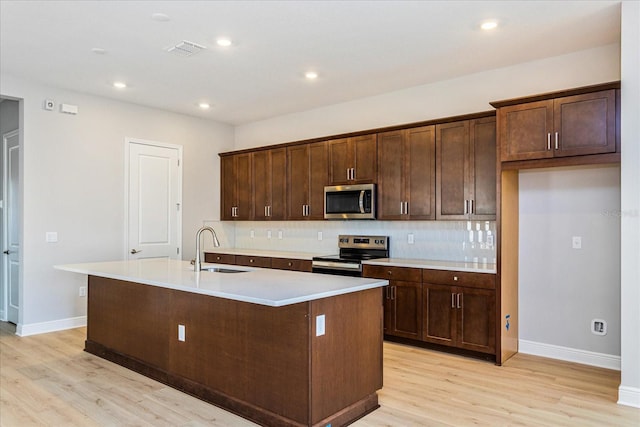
{"x":5,"y":227}
{"x":127,"y":143}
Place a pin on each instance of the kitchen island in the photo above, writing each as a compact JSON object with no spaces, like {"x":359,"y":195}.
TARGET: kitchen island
{"x":277,"y":347}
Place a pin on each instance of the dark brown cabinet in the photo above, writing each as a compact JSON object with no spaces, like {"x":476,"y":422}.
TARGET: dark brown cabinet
{"x":466,"y":169}
{"x":307,"y":175}
{"x":459,"y":316}
{"x":291,"y":264}
{"x":253,"y":261}
{"x":575,"y":125}
{"x":353,"y":160}
{"x":402,"y":299}
{"x":269,"y":183}
{"x":407,"y":174}
{"x":219,"y":258}
{"x":236,"y":186}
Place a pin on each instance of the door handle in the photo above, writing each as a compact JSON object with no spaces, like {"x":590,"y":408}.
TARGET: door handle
{"x":7,"y":252}
{"x":135,"y":251}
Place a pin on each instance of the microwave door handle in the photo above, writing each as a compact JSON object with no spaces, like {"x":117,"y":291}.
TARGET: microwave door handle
{"x":361,"y":201}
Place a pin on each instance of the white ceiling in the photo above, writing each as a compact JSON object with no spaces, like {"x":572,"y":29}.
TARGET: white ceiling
{"x":359,"y":48}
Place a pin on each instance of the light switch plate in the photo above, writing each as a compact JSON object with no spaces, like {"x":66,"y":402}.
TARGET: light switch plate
{"x":51,"y":236}
{"x":182,"y":333}
{"x":410,"y":239}
{"x":576,"y":242}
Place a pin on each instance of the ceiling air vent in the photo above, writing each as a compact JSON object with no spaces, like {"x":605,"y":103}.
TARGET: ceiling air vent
{"x":185,"y":48}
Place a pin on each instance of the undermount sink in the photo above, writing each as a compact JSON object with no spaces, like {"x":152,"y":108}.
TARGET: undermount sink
{"x":222,"y":270}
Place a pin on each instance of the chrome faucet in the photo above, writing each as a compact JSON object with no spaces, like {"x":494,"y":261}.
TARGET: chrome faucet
{"x":197,"y":266}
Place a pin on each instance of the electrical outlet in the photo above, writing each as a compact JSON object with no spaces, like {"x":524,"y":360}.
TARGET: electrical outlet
{"x":410,"y":239}
{"x":268,"y":234}
{"x":51,"y":237}
{"x":320,"y":325}
{"x":280,"y":234}
{"x":576,"y":242}
{"x":319,"y":235}
{"x":252,"y":234}
{"x":82,"y":291}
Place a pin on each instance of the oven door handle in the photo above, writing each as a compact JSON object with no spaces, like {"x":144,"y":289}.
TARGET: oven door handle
{"x":361,"y":201}
{"x":336,"y":265}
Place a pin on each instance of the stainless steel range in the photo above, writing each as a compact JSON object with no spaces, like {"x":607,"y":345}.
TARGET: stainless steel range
{"x":353,"y":250}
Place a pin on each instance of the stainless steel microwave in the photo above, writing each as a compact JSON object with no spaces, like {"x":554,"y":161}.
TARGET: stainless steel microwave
{"x":350,"y":201}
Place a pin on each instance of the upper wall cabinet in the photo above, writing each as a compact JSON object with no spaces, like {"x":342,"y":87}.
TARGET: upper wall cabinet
{"x":353,"y":160}
{"x":407,"y":174}
{"x":236,"y":186}
{"x":269,"y":184}
{"x":466,"y":170}
{"x":572,"y":123}
{"x":307,"y":174}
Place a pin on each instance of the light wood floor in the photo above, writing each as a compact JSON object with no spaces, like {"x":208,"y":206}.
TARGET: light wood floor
{"x":47,"y":380}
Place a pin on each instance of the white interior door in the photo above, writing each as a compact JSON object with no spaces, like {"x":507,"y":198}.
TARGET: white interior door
{"x":154,"y":200}
{"x":11,"y":224}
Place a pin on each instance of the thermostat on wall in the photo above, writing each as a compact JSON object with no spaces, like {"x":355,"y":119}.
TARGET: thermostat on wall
{"x":68,"y":108}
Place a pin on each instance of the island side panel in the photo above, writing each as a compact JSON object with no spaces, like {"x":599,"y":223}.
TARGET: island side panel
{"x":245,"y":352}
{"x":346,"y":362}
{"x":129,"y":319}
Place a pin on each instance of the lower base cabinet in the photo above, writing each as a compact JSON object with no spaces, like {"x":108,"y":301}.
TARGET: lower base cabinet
{"x":459,"y":317}
{"x":448,"y":308}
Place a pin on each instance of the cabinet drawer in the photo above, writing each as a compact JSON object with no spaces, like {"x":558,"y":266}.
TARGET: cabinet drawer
{"x":253,"y":261}
{"x":219,"y":258}
{"x":291,"y":264}
{"x":459,"y":278}
{"x":392,"y":273}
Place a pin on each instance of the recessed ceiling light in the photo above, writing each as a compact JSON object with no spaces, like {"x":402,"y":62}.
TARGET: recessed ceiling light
{"x":223,"y":41}
{"x":311,"y":75}
{"x":119,"y":85}
{"x":98,"y":50}
{"x":489,"y":25}
{"x":204,"y":105}
{"x":160,"y":17}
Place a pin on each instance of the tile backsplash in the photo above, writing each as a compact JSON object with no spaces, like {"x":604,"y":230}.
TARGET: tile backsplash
{"x":471,"y":241}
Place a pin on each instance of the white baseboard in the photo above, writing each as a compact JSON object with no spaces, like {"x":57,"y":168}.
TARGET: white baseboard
{"x":569,"y":354}
{"x":53,"y":326}
{"x":629,"y":396}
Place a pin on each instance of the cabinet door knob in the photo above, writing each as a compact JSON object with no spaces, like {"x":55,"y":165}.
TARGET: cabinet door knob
{"x":251,"y":260}
{"x":455,"y":278}
{"x":290,"y":264}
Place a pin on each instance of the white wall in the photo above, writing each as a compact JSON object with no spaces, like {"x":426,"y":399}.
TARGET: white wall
{"x":73,"y":183}
{"x":562,"y":289}
{"x":463,"y":95}
{"x":470,"y":94}
{"x":629,"y":392}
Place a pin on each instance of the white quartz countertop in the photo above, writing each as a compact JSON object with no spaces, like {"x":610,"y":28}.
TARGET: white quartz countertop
{"x":255,"y":285}
{"x":470,"y":267}
{"x":265,"y":253}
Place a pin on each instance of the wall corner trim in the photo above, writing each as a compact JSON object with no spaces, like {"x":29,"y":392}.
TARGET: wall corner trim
{"x":23,"y":330}
{"x":575,"y":355}
{"x":629,"y":396}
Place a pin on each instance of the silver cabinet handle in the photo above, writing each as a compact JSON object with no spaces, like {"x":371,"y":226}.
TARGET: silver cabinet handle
{"x":466,"y":207}
{"x":393,"y":293}
{"x":304,"y":211}
{"x":134,"y":251}
{"x":471,"y":209}
{"x":549,"y":141}
{"x":348,"y":174}
{"x":453,"y":300}
{"x":557,"y":143}
{"x":353,"y":173}
{"x":401,"y":208}
{"x":459,"y":300}
{"x":406,"y":208}
{"x":265,"y":212}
